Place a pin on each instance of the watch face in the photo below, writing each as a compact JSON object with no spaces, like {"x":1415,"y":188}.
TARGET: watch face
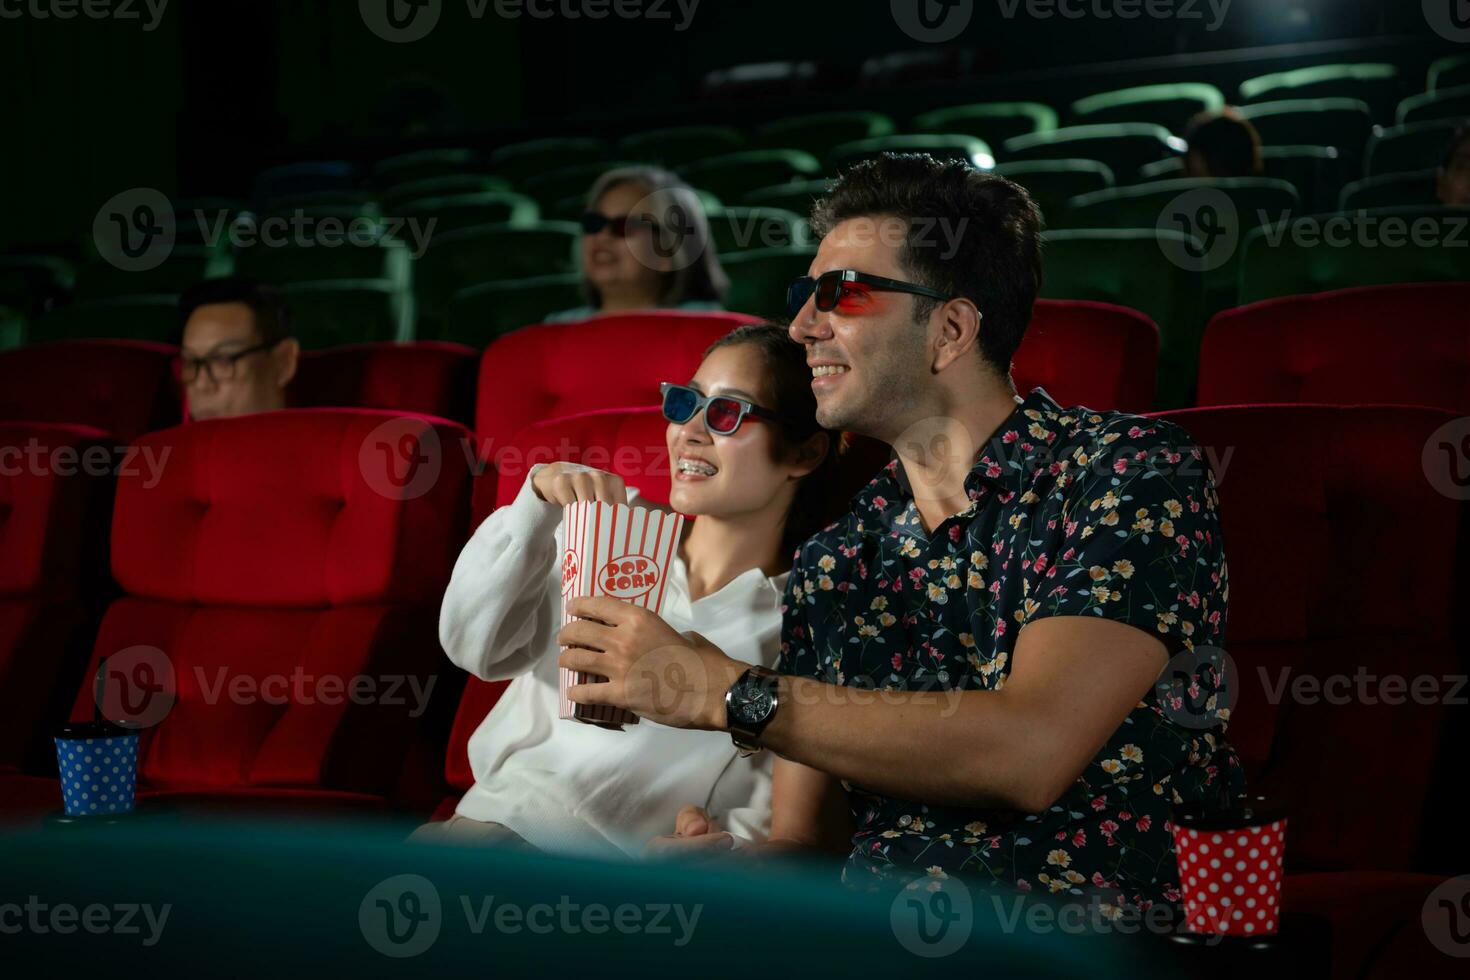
{"x":751,"y":704}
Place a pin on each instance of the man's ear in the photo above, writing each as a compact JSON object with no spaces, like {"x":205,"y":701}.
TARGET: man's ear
{"x":286,"y":355}
{"x":959,"y":332}
{"x":810,"y":453}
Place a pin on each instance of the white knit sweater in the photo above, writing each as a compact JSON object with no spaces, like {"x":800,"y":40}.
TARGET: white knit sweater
{"x":575,"y":788}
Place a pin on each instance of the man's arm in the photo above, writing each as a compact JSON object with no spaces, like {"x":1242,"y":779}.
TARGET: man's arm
{"x":1073,"y":681}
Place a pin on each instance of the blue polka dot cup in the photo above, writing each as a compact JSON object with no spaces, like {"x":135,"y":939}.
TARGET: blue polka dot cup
{"x":98,"y":765}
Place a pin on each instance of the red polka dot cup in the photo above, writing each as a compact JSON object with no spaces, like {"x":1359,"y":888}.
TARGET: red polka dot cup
{"x":1230,"y":868}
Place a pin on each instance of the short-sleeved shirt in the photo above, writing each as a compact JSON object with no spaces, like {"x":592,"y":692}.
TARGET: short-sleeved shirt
{"x":1072,"y":513}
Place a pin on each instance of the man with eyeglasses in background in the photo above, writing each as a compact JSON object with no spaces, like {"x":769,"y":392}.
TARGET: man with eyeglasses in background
{"x":237,"y":353}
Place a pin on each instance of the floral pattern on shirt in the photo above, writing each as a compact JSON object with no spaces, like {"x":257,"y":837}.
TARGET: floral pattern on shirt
{"x":1072,"y":513}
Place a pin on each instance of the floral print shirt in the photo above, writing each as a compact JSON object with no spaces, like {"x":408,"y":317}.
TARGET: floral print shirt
{"x":1072,"y":513}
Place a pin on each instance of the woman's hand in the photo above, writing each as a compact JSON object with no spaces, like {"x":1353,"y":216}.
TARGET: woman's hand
{"x":570,"y":483}
{"x":675,"y":679}
{"x":696,"y":834}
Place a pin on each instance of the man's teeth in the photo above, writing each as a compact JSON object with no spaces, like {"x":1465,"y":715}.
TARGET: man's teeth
{"x":823,"y":370}
{"x":693,"y":466}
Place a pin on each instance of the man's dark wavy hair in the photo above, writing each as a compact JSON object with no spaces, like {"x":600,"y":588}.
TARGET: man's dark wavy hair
{"x":971,"y":234}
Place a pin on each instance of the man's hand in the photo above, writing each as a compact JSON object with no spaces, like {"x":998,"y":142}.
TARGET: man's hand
{"x":675,"y":679}
{"x":695,"y":834}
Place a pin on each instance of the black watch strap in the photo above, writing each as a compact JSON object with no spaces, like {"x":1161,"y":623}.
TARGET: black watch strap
{"x":746,"y":734}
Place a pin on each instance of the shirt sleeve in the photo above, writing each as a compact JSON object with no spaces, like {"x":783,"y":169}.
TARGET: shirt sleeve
{"x":798,"y":654}
{"x":1141,"y":538}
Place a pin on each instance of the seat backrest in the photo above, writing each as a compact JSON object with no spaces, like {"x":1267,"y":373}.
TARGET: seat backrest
{"x":124,"y":387}
{"x":1171,"y":106}
{"x":1363,"y":248}
{"x":557,"y":369}
{"x":1255,"y":199}
{"x":1343,"y":347}
{"x":1415,"y":146}
{"x":1124,"y":147}
{"x":1085,"y":353}
{"x":993,"y":122}
{"x":629,"y":442}
{"x":427,"y":377}
{"x":282,"y":574}
{"x":1344,"y":562}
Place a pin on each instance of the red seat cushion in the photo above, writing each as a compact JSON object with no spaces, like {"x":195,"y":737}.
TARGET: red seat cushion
{"x":431,"y":377}
{"x":1342,"y":558}
{"x":284,"y":580}
{"x":1407,"y":344}
{"x":125,"y":387}
{"x":1375,"y":920}
{"x":1085,"y":353}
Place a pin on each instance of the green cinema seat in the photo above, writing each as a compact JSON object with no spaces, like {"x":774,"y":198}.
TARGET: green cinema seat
{"x":1317,"y":172}
{"x":795,"y":195}
{"x":759,"y":277}
{"x":1132,"y":267}
{"x":424,"y":165}
{"x":1342,"y":123}
{"x":1450,"y":71}
{"x":1378,"y":85}
{"x":1410,"y":190}
{"x":993,"y":122}
{"x":184,"y":266}
{"x":144,"y":317}
{"x":678,"y":145}
{"x":1052,"y":183}
{"x":518,"y":161}
{"x":1441,"y":104}
{"x":555,"y":185}
{"x":1144,"y":205}
{"x":348,"y":311}
{"x":12,"y":327}
{"x":742,"y":229}
{"x":1125,"y":148}
{"x":1402,"y":149}
{"x":449,"y":185}
{"x":456,"y":211}
{"x":1170,"y":106}
{"x":490,"y":253}
{"x":32,"y":283}
{"x":942,"y":146}
{"x":479,"y":314}
{"x":818,"y":132}
{"x":385,"y":258}
{"x":1360,"y":248}
{"x":731,"y":176}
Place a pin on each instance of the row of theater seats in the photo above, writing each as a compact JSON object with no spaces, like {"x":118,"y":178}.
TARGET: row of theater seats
{"x":1340,"y":347}
{"x":283,"y":545}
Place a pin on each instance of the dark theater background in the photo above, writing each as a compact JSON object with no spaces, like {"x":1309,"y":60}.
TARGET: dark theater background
{"x":222,"y":567}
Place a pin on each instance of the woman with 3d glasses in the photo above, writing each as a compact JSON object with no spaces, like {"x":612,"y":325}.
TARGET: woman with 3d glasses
{"x":757,"y":475}
{"x":646,"y":244}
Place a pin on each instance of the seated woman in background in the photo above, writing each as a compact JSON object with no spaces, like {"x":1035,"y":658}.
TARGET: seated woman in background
{"x":1452,"y":179}
{"x":646,"y":244}
{"x":754,"y":468}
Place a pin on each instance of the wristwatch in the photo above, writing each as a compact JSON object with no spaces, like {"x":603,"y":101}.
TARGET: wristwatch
{"x":750,"y":704}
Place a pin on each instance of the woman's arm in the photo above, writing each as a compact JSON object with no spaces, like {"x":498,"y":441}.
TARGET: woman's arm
{"x":496,"y":620}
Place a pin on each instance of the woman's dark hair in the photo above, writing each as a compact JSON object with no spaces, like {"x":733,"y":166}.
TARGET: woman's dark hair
{"x":970,"y":234}
{"x":819,"y":499}
{"x":267,"y":306}
{"x":697,"y":275}
{"x":1227,"y":143}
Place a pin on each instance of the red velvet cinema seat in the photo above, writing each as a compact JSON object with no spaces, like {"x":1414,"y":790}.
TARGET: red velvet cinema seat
{"x":1086,"y":353}
{"x":55,"y":499}
{"x":1344,"y":537}
{"x":429,"y":377}
{"x":557,"y":369}
{"x":124,"y":387}
{"x":629,"y":442}
{"x":1407,"y":344}
{"x":282,"y":584}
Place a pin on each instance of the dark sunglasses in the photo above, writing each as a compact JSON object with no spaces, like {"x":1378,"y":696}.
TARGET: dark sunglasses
{"x":621,"y":225}
{"x":722,"y":413}
{"x":829,"y":287}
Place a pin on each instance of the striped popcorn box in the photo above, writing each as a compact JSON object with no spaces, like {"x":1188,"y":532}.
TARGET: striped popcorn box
{"x":619,"y":551}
